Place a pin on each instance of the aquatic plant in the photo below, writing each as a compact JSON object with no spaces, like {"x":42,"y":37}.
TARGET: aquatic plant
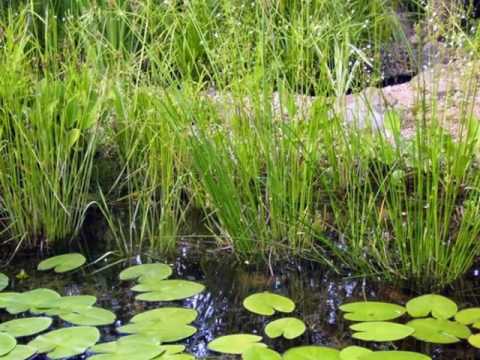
{"x":146,"y":272}
{"x":290,"y":328}
{"x":439,"y":306}
{"x":381,"y":331}
{"x":3,"y":281}
{"x":267,"y":303}
{"x":25,"y":326}
{"x":372,"y":311}
{"x":62,"y":263}
{"x":235,"y":344}
{"x":260,"y":353}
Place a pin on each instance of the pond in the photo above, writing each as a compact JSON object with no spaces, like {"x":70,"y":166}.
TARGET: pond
{"x":317,"y":292}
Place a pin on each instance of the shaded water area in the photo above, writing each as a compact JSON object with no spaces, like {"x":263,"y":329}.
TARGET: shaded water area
{"x":318,"y":292}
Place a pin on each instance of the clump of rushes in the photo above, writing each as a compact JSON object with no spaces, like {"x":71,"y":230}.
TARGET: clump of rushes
{"x":47,"y":143}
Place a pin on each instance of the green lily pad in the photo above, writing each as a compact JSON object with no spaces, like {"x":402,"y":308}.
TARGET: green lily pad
{"x":67,"y":342}
{"x":175,"y":357}
{"x":167,"y":315}
{"x":235,"y":344}
{"x":20,"y":352}
{"x":16,"y":303}
{"x":260,"y":353}
{"x":160,"y":331}
{"x":289,"y":328}
{"x":89,"y":316}
{"x":146,"y":272}
{"x":312,"y":353}
{"x":354,"y":353}
{"x":439,"y":306}
{"x":67,"y":304}
{"x":132,"y":348}
{"x":267,"y":303}
{"x":439,"y":331}
{"x":469,"y":317}
{"x":372,"y":311}
{"x":25,"y":326}
{"x":395,"y":355}
{"x":7,"y":343}
{"x":474,"y":340}
{"x":381,"y":331}
{"x":62,"y":263}
{"x":168,"y":290}
{"x":3,"y":281}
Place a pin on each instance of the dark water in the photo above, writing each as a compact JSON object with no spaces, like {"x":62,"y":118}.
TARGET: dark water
{"x":317,"y":291}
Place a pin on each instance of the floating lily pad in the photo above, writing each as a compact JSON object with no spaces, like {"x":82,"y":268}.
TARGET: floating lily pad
{"x":354,"y":353}
{"x":7,"y":344}
{"x":469,"y":317}
{"x":160,"y":331}
{"x":289,"y":328}
{"x":89,"y":316}
{"x":395,"y":355}
{"x":261,"y":353}
{"x":381,"y":331}
{"x":146,"y":272}
{"x":168,"y":290}
{"x":25,"y":326}
{"x":175,"y":357}
{"x":474,"y":340}
{"x":439,"y":331}
{"x":62,"y":263}
{"x":20,"y":352}
{"x":132,"y":348}
{"x":3,"y":281}
{"x":67,"y":342}
{"x":16,"y":303}
{"x":235,"y":344}
{"x":167,"y":315}
{"x":439,"y":306}
{"x":67,"y":304}
{"x":372,"y":311}
{"x":267,"y":303}
{"x":312,"y":353}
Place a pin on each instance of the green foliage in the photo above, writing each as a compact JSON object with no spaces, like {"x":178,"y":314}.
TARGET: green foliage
{"x":20,"y":352}
{"x":146,"y":272}
{"x":267,"y":303}
{"x":3,"y":281}
{"x":439,"y":331}
{"x":62,"y":263}
{"x":167,"y":290}
{"x":235,"y":344}
{"x":354,"y":353}
{"x":311,"y":353}
{"x":381,"y":331}
{"x":260,"y":353}
{"x":289,"y":328}
{"x":7,"y":343}
{"x":25,"y":326}
{"x":372,"y":311}
{"x":439,"y":306}
{"x":89,"y":316}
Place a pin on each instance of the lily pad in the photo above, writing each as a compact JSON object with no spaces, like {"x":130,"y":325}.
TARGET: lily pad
{"x":25,"y":326}
{"x":160,"y":331}
{"x":260,"y":353}
{"x":3,"y":281}
{"x":469,"y":317}
{"x":474,"y":340}
{"x":167,"y":315}
{"x":289,"y":328}
{"x":372,"y":311}
{"x":395,"y":355}
{"x":67,"y":342}
{"x":20,"y":352}
{"x":167,"y":290}
{"x":62,"y":263}
{"x":132,"y":348}
{"x":354,"y":353}
{"x":7,"y":344}
{"x":439,"y":306}
{"x":235,"y":344}
{"x":439,"y":331}
{"x":146,"y":272}
{"x":267,"y":304}
{"x":175,"y":357}
{"x":67,"y":304}
{"x":89,"y":316}
{"x":312,"y":353}
{"x":16,"y":303}
{"x":381,"y":331}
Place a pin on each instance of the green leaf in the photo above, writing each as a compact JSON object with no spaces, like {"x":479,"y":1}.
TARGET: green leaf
{"x":146,"y":272}
{"x":67,"y":304}
{"x":267,"y":303}
{"x":16,"y":303}
{"x":162,"y":332}
{"x":380,"y":331}
{"x":25,"y":326}
{"x":395,"y":355}
{"x":439,"y":331}
{"x":20,"y":352}
{"x":132,"y":348}
{"x":235,"y":344}
{"x":7,"y":344}
{"x":89,"y":316}
{"x":167,"y":315}
{"x":354,"y":353}
{"x":312,"y":353}
{"x":260,"y":353}
{"x":67,"y":342}
{"x":167,"y":290}
{"x":372,"y":311}
{"x":289,"y":328}
{"x":439,"y":306}
{"x":469,"y":317}
{"x":474,"y":340}
{"x":73,"y":136}
{"x":62,"y":263}
{"x":3,"y":281}
{"x":175,"y":357}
